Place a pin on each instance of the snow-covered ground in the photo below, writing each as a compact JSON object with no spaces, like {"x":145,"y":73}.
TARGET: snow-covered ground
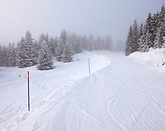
{"x":155,"y":57}
{"x":121,"y":93}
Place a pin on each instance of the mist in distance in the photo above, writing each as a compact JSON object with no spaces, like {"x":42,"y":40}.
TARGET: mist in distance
{"x":97,"y":17}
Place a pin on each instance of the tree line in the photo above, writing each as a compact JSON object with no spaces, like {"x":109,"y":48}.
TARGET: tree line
{"x":29,"y":52}
{"x":150,"y":35}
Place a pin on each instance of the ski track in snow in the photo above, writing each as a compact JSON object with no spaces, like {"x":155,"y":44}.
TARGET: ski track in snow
{"x":126,"y":95}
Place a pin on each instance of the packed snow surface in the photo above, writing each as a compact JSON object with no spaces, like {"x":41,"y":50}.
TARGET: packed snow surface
{"x":119,"y":94}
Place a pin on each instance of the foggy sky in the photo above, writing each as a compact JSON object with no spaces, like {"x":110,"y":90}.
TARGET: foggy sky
{"x":99,"y":17}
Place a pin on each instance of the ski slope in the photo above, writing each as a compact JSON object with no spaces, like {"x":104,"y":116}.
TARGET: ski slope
{"x":120,"y":94}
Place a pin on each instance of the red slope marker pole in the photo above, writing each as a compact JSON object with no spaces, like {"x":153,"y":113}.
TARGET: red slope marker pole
{"x":89,"y":64}
{"x":28,"y":94}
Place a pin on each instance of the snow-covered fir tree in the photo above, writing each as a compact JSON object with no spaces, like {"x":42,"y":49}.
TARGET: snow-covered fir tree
{"x":36,"y":50}
{"x":155,"y":25}
{"x":73,"y":42}
{"x":55,"y":45}
{"x":44,"y":59}
{"x":6,"y":58}
{"x":20,"y":53}
{"x":11,"y":55}
{"x":67,"y":54}
{"x":61,"y":44}
{"x":161,"y":16}
{"x":49,"y":44}
{"x":159,"y":39}
{"x":78,"y":45}
{"x":52,"y":46}
{"x":59,"y":50}
{"x":140,"y":30}
{"x":143,"y":47}
{"x":164,"y":42}
{"x":64,"y":38}
{"x":31,"y":49}
{"x":26,"y":52}
{"x":70,"y":43}
{"x":148,"y":31}
{"x":135,"y":30}
{"x":129,"y":42}
{"x":152,"y":34}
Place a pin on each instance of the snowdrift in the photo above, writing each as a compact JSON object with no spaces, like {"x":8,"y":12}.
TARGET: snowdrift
{"x":155,"y":57}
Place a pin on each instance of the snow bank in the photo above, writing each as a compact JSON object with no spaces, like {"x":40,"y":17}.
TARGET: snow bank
{"x":155,"y":57}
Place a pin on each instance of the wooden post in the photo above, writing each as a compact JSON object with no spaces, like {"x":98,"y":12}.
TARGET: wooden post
{"x":28,"y":94}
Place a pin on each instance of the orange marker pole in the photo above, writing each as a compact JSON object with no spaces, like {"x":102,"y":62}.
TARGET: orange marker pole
{"x":89,"y":64}
{"x":28,"y":94}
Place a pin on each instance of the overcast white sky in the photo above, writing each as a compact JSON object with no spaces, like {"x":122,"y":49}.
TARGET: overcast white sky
{"x":99,"y":17}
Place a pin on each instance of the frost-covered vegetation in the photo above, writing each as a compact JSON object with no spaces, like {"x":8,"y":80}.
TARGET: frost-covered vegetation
{"x":29,"y":52}
{"x":151,"y":35}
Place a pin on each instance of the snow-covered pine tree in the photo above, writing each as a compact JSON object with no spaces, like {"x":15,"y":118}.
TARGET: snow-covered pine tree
{"x":146,"y":45}
{"x":164,"y":42}
{"x":20,"y":53}
{"x":67,"y":54}
{"x":61,"y":44}
{"x":73,"y":41}
{"x":11,"y":55}
{"x":64,"y":38}
{"x":69,"y":42}
{"x":135,"y":30}
{"x":140,"y":30}
{"x":146,"y":40}
{"x":78,"y":45}
{"x":44,"y":58}
{"x":26,"y":52}
{"x":41,"y":38}
{"x":155,"y":25}
{"x":142,"y":46}
{"x":4,"y":52}
{"x":52,"y":46}
{"x":141,"y":39}
{"x":59,"y":50}
{"x":31,"y":50}
{"x":55,"y":45}
{"x":129,"y":42}
{"x":49,"y":44}
{"x":159,"y":39}
{"x":148,"y":31}
{"x":7,"y":54}
{"x":162,"y":15}
{"x":36,"y":50}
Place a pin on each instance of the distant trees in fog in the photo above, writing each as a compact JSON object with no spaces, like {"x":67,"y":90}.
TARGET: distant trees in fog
{"x":29,"y":52}
{"x":151,"y":35}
